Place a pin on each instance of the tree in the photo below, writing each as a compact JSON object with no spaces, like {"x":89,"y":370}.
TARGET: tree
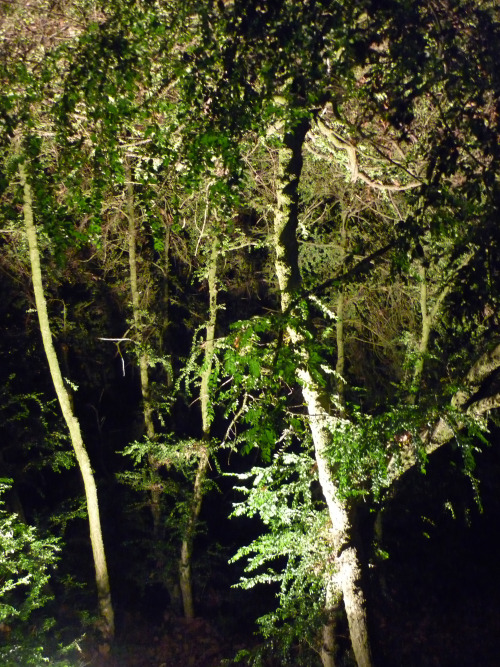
{"x":355,"y":146}
{"x":26,"y":566}
{"x":204,"y":451}
{"x":321,"y":421}
{"x":101,"y":570}
{"x":291,"y":96}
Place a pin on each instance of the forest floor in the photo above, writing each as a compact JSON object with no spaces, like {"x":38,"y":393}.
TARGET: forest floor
{"x":433,"y":635}
{"x":178,"y":642}
{"x":432,"y":603}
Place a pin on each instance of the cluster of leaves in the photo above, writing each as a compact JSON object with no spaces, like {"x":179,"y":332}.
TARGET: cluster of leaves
{"x":47,"y":446}
{"x":363,"y":445}
{"x":25,"y":565}
{"x":177,"y":458}
{"x":259,"y":372}
{"x":160,"y":481}
{"x":293,"y":553}
{"x":192,"y":81}
{"x":26,"y":562}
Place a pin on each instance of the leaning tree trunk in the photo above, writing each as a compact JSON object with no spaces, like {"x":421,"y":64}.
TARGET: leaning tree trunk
{"x":347,"y":578}
{"x":101,"y":570}
{"x":203,"y":457}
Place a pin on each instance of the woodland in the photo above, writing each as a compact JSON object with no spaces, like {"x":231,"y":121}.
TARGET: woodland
{"x":250,"y":344}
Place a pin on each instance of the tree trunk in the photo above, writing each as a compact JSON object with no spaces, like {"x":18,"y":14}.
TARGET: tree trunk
{"x":185,"y":577}
{"x":101,"y":570}
{"x":329,"y":647}
{"x":147,"y":410}
{"x":348,"y":569}
{"x":203,"y":460}
{"x":136,"y":305}
{"x":329,"y":637}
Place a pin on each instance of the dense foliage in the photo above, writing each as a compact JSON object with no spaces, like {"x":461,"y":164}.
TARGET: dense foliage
{"x":164,"y":141}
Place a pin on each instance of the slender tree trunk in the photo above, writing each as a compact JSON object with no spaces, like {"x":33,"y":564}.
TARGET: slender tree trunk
{"x":348,"y":570}
{"x":147,"y":410}
{"x":203,"y":461}
{"x":329,"y":647}
{"x":429,"y":315}
{"x":185,"y":577}
{"x":165,"y":296}
{"x":101,"y":570}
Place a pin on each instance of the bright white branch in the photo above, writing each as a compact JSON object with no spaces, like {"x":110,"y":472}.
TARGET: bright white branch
{"x":115,"y":340}
{"x":356,"y":174}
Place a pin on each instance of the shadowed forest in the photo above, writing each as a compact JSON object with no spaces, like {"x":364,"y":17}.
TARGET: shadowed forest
{"x":249,"y":333}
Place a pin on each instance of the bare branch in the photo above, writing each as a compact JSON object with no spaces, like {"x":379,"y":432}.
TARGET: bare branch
{"x":115,"y":340}
{"x":356,"y":173}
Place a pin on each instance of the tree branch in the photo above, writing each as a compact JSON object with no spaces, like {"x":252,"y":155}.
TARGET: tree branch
{"x":356,"y":173}
{"x":361,"y":267}
{"x":442,"y":431}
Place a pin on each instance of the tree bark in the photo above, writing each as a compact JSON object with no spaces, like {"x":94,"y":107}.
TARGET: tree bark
{"x":185,"y":576}
{"x":101,"y":571}
{"x":329,"y":632}
{"x":203,"y":460}
{"x":348,"y":568}
{"x":136,"y":305}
